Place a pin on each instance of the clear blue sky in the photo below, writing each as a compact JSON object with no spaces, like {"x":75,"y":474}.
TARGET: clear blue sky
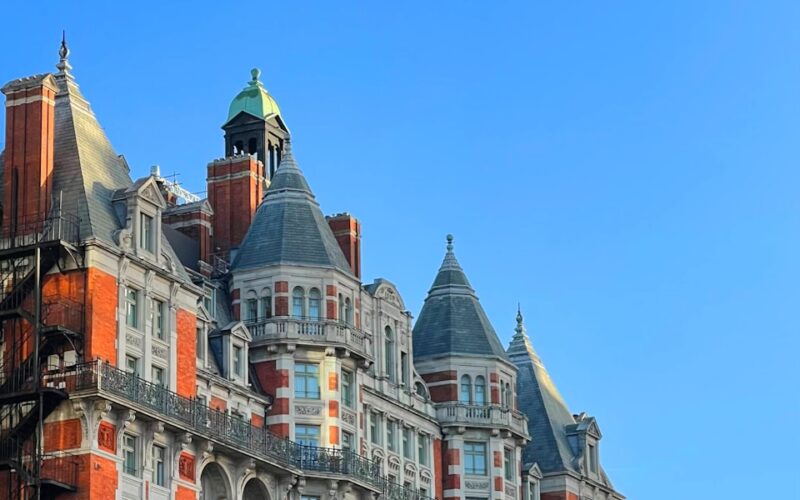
{"x":628,"y":172}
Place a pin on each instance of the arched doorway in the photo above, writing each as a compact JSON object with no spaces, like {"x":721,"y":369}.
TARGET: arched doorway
{"x":214,"y":483}
{"x":255,"y":490}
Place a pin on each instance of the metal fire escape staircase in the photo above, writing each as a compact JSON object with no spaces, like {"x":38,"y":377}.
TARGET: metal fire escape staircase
{"x":32,"y":331}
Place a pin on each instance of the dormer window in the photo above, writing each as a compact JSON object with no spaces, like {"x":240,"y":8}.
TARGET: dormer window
{"x":146,"y":232}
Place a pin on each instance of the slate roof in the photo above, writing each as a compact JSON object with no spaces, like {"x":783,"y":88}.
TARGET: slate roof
{"x":87,"y":172}
{"x":452,"y":320}
{"x":539,"y":399}
{"x":289,"y":227}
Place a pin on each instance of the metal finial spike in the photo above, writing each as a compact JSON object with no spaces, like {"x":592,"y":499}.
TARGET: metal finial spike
{"x":449,"y":242}
{"x":63,"y":51}
{"x":519,"y":314}
{"x":256,"y":74}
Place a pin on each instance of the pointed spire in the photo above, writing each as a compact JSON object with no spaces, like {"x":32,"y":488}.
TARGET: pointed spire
{"x":450,"y":272}
{"x":288,"y":174}
{"x":520,"y":343}
{"x":63,"y":53}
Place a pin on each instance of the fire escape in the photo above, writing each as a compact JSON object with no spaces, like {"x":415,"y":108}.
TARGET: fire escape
{"x":36,"y":333}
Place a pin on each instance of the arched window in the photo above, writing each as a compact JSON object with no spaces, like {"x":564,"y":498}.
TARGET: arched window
{"x":509,"y":396}
{"x":389,"y":353}
{"x":465,"y":395}
{"x":252,"y":146}
{"x":348,"y":311}
{"x":314,"y":311}
{"x":251,"y":307}
{"x":341,"y":308}
{"x":480,"y":390}
{"x":238,"y":148}
{"x":298,"y":303}
{"x":266,"y":303}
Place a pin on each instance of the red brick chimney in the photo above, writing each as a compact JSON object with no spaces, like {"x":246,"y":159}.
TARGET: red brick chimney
{"x":347,"y":231}
{"x":235,"y":188}
{"x":28,"y":157}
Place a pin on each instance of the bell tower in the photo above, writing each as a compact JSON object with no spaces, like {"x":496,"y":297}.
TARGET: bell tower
{"x":255,"y":125}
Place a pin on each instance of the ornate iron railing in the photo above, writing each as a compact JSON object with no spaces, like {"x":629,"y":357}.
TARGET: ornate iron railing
{"x":25,"y":231}
{"x":220,"y":427}
{"x":395,"y":491}
{"x":317,"y":330}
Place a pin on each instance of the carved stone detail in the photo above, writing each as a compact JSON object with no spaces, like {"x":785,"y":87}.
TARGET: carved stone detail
{"x":308,"y":410}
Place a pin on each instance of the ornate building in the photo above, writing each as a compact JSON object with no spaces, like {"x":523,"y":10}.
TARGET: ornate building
{"x":158,"y":345}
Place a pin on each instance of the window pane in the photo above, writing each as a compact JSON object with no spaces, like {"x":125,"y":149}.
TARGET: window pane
{"x":475,"y":458}
{"x":158,"y":319}
{"x":132,"y":307}
{"x":347,"y":388}
{"x":466,"y":390}
{"x":306,"y":381}
{"x":307,"y":435}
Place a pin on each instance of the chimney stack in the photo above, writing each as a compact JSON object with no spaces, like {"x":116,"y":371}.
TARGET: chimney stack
{"x":28,"y":159}
{"x":347,"y":231}
{"x":235,"y":189}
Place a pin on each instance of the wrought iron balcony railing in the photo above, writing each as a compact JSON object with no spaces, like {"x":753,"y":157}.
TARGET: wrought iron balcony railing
{"x":396,"y":491}
{"x":482,"y":415}
{"x":26,"y":231}
{"x":316,"y":330}
{"x":218,"y":426}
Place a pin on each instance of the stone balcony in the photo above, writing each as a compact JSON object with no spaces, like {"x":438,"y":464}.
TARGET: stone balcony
{"x":326,"y":333}
{"x":487,"y":416}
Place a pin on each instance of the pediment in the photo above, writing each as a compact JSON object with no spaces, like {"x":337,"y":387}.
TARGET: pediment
{"x":535,"y":471}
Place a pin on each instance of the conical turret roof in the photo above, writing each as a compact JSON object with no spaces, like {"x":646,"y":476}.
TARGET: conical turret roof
{"x":539,"y":399}
{"x":289,"y":227}
{"x":452,"y":320}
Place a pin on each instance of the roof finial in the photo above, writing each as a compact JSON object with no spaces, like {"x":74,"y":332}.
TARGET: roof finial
{"x":520,"y":328}
{"x":63,"y":53}
{"x":449,"y":242}
{"x":256,"y":74}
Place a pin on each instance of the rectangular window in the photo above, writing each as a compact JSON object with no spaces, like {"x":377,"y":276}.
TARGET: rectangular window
{"x":422,"y":449}
{"x":375,"y":428}
{"x":237,"y":361}
{"x":347,"y":440}
{"x":201,"y":344}
{"x":132,"y":307}
{"x":159,"y":453}
{"x":132,"y":365}
{"x":391,"y":435}
{"x":592,"y":456}
{"x":147,"y":231}
{"x":306,"y":435}
{"x":158,"y":376}
{"x":404,"y":368}
{"x":158,"y":319}
{"x":306,"y":381}
{"x":252,"y":310}
{"x":475,"y":458}
{"x":266,"y":307}
{"x":129,"y":448}
{"x":408,"y":443}
{"x":347,"y":388}
{"x":508,"y":464}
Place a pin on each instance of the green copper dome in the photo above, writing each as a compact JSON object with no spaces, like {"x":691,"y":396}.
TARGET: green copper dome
{"x":254,"y":99}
